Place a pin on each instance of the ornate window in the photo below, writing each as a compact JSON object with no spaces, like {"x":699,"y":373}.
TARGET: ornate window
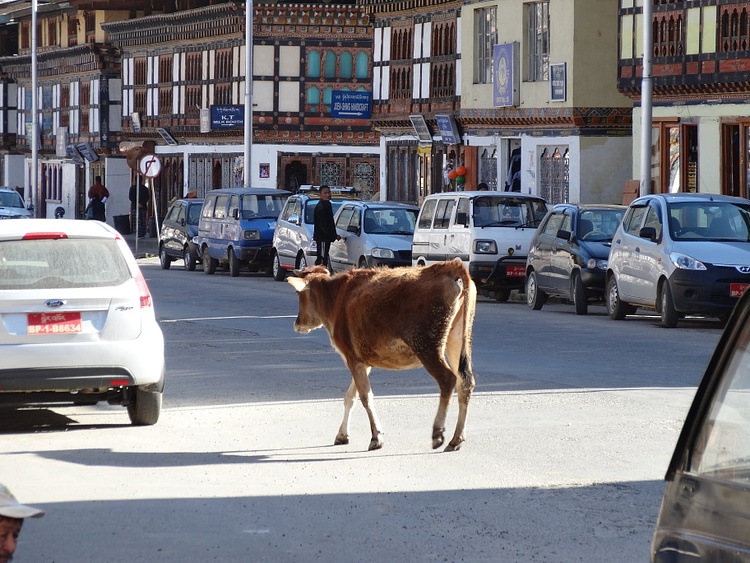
{"x":193,"y":67}
{"x":330,"y":174}
{"x":362,"y":65}
{"x":554,"y":171}
{"x":345,"y":65}
{"x":734,"y":30}
{"x":485,"y":38}
{"x":537,"y":42}
{"x":313,"y":64}
{"x":329,"y":67}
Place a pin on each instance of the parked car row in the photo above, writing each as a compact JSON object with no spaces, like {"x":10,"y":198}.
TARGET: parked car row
{"x":678,"y":254}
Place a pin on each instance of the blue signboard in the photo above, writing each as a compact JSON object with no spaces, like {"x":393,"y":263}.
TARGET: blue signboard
{"x":505,"y":77}
{"x":448,"y":129}
{"x":227,"y":117}
{"x":351,"y":105}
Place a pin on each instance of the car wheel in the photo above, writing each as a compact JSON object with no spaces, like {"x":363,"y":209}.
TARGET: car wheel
{"x":209,"y":264}
{"x":234,"y":263}
{"x":362,"y":263}
{"x":580,"y":300}
{"x":278,"y":272}
{"x":146,"y":408}
{"x":501,"y":295}
{"x":189,"y":259}
{"x":301,"y":262}
{"x":669,"y":315}
{"x":616,"y":309}
{"x":535,"y":297}
{"x":164,"y":260}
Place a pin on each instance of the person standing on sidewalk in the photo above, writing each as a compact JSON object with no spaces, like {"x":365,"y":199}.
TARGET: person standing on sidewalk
{"x":98,"y":195}
{"x":138,"y":196}
{"x":324,"y":232}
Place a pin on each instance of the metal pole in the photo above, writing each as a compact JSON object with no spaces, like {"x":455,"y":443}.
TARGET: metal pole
{"x":156,"y":209}
{"x":646,"y":96}
{"x":33,"y":188}
{"x":248,"y":91}
{"x":138,"y":181}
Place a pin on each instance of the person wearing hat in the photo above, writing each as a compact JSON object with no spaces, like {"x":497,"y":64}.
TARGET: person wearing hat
{"x":12,"y":514}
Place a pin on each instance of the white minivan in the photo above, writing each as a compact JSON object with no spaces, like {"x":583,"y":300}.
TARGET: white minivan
{"x":489,"y":231}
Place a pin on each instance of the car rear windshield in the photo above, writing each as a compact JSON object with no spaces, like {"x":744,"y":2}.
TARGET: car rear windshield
{"x":61,"y":263}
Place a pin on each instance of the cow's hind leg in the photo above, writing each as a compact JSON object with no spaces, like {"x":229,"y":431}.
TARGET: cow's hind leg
{"x":446,"y":380}
{"x":465,"y":388}
{"x":351,"y":395}
{"x":361,"y":377}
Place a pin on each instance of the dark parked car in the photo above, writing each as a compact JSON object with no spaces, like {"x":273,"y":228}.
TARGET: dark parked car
{"x":177,"y":231}
{"x":705,"y":510}
{"x":568,"y":254}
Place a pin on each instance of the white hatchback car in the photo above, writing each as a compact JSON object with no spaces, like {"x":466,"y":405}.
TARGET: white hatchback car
{"x":77,"y":323}
{"x":680,"y":254}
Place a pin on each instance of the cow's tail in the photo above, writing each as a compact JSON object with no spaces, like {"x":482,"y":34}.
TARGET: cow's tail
{"x":469,"y":306}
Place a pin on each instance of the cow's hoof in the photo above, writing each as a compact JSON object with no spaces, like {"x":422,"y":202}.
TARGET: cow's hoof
{"x":437,"y":438}
{"x":451,"y":447}
{"x":375,"y":444}
{"x":341,"y":440}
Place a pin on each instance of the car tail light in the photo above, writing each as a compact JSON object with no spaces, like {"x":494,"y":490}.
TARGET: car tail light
{"x":41,"y":236}
{"x":119,"y":382}
{"x":143,"y":290}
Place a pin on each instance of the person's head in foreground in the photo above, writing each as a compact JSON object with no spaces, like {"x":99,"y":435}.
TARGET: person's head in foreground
{"x":12,"y":514}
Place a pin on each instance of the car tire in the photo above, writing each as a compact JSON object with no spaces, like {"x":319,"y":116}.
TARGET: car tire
{"x":616,"y":309}
{"x":501,"y":295}
{"x":164,"y":260}
{"x":301,"y":262}
{"x":580,"y":299}
{"x":209,"y":264}
{"x":669,"y":315}
{"x":146,"y":408}
{"x":535,"y":297}
{"x":189,"y":259}
{"x":234,"y":263}
{"x":277,"y":271}
{"x":362,"y":263}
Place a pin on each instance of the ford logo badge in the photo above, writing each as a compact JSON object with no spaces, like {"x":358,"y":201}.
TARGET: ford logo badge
{"x":54,"y":303}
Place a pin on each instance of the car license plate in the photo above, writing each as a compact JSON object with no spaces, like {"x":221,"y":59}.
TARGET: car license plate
{"x":515,"y":271}
{"x":53,"y":323}
{"x":737,"y":289}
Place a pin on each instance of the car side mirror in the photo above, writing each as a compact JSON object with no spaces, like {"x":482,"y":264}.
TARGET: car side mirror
{"x":648,"y":233}
{"x":294,"y":219}
{"x":235,"y":213}
{"x":565,"y":235}
{"x":462,"y":219}
{"x":352,"y":229}
{"x":182,"y":222}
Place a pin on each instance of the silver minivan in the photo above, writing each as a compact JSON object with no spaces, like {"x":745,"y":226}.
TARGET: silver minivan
{"x":680,"y":254}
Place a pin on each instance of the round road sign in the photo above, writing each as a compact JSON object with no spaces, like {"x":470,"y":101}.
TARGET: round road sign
{"x":149,"y":165}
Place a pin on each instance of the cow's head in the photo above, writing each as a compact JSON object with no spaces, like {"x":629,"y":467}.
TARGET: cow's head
{"x":308,"y":318}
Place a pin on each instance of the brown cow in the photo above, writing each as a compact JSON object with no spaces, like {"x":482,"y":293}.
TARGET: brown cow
{"x":397,"y":318}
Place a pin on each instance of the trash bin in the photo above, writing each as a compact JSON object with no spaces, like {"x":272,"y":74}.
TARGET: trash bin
{"x":122,"y":224}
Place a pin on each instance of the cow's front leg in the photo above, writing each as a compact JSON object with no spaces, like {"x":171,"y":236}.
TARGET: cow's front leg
{"x":349,"y":397}
{"x":361,"y":377}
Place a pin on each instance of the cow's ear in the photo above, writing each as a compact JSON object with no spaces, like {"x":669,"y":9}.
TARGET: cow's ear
{"x":297,"y":283}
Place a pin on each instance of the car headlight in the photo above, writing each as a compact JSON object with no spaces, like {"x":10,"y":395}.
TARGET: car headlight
{"x":382,"y":253}
{"x":594,"y":264}
{"x":485,"y":247}
{"x":685,"y":262}
{"x":251,"y":235}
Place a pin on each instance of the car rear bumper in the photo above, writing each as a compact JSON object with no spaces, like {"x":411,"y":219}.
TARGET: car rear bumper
{"x":707,"y":292}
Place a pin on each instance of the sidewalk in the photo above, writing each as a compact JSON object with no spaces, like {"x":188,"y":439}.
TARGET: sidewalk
{"x":147,"y":246}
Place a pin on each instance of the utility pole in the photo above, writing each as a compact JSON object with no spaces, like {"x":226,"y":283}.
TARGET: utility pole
{"x":646,"y":96}
{"x":248,"y":91}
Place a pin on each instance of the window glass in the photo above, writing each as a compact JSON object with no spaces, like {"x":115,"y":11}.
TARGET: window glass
{"x":485,"y":38}
{"x":208,"y":207}
{"x":553,"y":224}
{"x":329,"y":68}
{"x":313,"y":64}
{"x":567,"y":223}
{"x":174,"y":213}
{"x":462,"y":208}
{"x":194,"y":212}
{"x":180,"y":213}
{"x":443,"y":213}
{"x":538,"y":44}
{"x":425,"y":216}
{"x":722,"y":449}
{"x":344,"y":217}
{"x":234,"y":204}
{"x":61,"y":263}
{"x":220,"y":211}
{"x":653,"y":218}
{"x":634,"y":220}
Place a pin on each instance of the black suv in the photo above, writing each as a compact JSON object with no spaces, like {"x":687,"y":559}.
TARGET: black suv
{"x":177,"y":232}
{"x":568,"y":254}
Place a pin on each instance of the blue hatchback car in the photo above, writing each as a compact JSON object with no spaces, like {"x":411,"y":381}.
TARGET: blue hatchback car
{"x":236,"y":228}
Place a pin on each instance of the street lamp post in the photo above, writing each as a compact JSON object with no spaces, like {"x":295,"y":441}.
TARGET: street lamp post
{"x":248,"y":91}
{"x":34,"y":180}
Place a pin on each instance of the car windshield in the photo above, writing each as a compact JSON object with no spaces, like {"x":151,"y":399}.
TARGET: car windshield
{"x":709,"y":220}
{"x":599,"y":225}
{"x":310,"y":209}
{"x":61,"y":263}
{"x":194,"y":214}
{"x":500,"y":211}
{"x":11,"y":199}
{"x":390,"y":221}
{"x":265,"y":206}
